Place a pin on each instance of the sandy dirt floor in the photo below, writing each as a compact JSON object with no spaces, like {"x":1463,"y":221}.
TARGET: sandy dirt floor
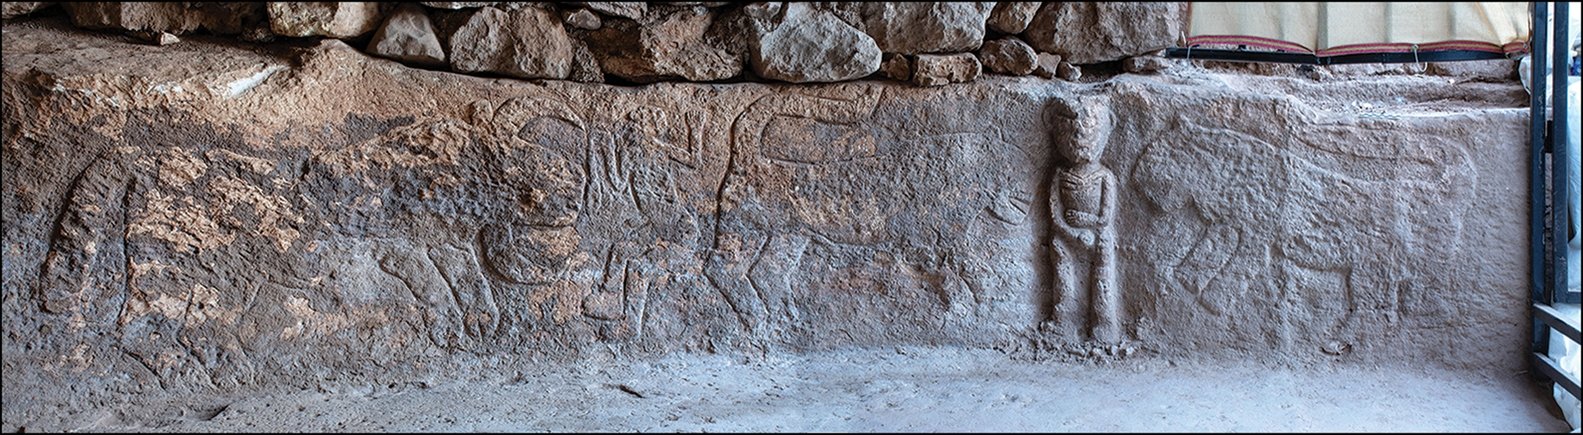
{"x":906,"y":389}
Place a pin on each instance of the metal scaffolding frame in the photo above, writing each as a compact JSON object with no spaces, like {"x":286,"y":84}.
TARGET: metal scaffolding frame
{"x":1547,"y":138}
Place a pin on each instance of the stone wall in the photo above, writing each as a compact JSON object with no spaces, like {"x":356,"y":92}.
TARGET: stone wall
{"x":222,"y":216}
{"x":927,"y":43}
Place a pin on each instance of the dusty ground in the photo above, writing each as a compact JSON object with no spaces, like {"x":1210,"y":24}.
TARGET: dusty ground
{"x":910,"y":389}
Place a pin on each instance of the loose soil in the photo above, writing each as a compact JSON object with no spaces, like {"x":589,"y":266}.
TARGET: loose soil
{"x":904,"y":389}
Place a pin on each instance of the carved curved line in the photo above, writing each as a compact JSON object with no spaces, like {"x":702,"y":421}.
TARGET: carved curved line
{"x":532,"y":107}
{"x":508,"y":123}
{"x":810,"y":164}
{"x":749,"y":127}
{"x":104,"y":171}
{"x":1204,"y":257}
{"x":1339,"y":161}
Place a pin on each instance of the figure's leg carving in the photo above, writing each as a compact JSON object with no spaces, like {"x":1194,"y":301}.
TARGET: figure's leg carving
{"x":1106,"y":319}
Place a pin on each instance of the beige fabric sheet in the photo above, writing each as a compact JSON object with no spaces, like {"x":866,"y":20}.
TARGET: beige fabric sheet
{"x":1336,"y":28}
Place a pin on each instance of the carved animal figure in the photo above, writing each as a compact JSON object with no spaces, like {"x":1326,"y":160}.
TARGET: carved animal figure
{"x":1308,"y":206}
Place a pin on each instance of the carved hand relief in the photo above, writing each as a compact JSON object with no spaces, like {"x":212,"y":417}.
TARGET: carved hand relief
{"x":1010,"y":205}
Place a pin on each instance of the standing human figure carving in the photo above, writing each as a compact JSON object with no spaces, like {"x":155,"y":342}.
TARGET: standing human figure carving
{"x":1083,"y":208}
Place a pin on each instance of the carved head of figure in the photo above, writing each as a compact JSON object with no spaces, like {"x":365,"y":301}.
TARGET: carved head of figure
{"x":1080,"y":127}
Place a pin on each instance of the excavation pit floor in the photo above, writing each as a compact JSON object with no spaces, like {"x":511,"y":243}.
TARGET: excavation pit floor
{"x":906,"y":389}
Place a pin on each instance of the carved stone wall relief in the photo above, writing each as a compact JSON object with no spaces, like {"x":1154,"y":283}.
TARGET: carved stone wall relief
{"x":1083,"y":208}
{"x":1314,"y":232}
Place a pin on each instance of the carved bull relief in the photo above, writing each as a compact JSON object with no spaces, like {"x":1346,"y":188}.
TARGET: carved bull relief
{"x":1327,"y":230}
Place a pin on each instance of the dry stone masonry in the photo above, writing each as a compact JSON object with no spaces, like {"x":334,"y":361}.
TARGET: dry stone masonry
{"x":250,"y":196}
{"x":647,"y":42}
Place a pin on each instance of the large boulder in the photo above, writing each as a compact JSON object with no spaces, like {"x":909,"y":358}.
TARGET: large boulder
{"x":525,"y":43}
{"x":913,"y":28}
{"x":813,"y":46}
{"x":1012,"y":17}
{"x":1090,"y":32}
{"x":330,"y":19}
{"x":1009,"y":55}
{"x":408,"y":36}
{"x":672,"y":46}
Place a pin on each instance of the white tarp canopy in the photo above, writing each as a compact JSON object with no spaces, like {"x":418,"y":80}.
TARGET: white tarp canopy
{"x":1340,"y":28}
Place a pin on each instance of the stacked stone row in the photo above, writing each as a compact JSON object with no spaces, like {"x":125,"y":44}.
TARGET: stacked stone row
{"x":927,"y":44}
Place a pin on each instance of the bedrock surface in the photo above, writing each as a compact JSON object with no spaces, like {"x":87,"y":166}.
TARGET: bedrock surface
{"x":213,"y":216}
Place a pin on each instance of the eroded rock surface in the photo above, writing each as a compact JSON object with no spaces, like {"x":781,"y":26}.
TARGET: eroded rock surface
{"x":1047,"y":65}
{"x":408,"y":36}
{"x":670,"y":46}
{"x":810,"y":45}
{"x":331,"y":19}
{"x":1012,"y":17}
{"x":938,"y":70}
{"x":1009,"y":56}
{"x":526,"y":43}
{"x":920,"y":27}
{"x":459,"y":5}
{"x":1090,"y":32}
{"x":10,"y":10}
{"x":203,"y":217}
{"x":169,"y":17}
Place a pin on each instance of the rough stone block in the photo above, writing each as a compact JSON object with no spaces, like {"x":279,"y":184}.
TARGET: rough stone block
{"x":526,"y":43}
{"x":170,"y":17}
{"x":813,"y":46}
{"x":1009,"y":56}
{"x":665,"y":47}
{"x":328,"y":19}
{"x":1012,"y":17}
{"x":408,"y":36}
{"x":9,"y":10}
{"x":942,"y":69}
{"x":921,"y":27}
{"x":1091,"y":32}
{"x":1048,"y":66}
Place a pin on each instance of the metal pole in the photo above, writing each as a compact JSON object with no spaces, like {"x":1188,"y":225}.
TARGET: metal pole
{"x":1560,"y":163}
{"x":1536,"y":154}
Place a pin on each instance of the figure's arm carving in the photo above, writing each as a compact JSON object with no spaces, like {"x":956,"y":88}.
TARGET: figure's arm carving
{"x":1106,"y":221}
{"x":1082,"y":219}
{"x":1058,"y":211}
